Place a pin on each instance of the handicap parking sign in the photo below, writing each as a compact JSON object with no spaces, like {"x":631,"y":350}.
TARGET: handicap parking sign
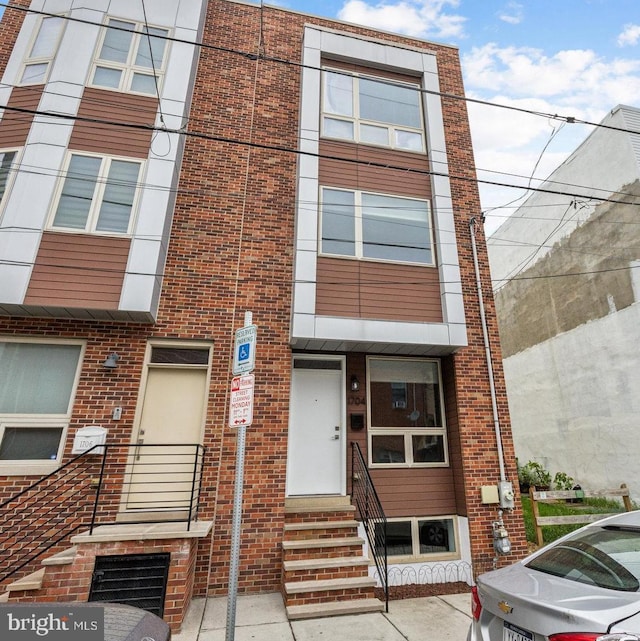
{"x":245,"y":350}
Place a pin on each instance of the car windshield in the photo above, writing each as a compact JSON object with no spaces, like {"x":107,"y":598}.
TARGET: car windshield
{"x":608,"y":557}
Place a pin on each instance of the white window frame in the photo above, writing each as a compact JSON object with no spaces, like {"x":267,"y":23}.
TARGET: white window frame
{"x":98,"y":195}
{"x":358,"y":218}
{"x":31,"y":61}
{"x":415,"y":540}
{"x":406,"y":432}
{"x":129,"y":68}
{"x":13,"y":170}
{"x":26,"y":421}
{"x":357,"y":121}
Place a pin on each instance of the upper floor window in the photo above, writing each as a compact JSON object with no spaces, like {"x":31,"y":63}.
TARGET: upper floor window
{"x":372,"y":111}
{"x":405,"y":414}
{"x":7,"y":160}
{"x":37,"y":385}
{"x":43,"y":48}
{"x":376,"y":226}
{"x":97,"y":195}
{"x":131,"y":57}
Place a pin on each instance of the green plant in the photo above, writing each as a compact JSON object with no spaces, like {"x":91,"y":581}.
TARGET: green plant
{"x":534,"y":473}
{"x":562,"y":481}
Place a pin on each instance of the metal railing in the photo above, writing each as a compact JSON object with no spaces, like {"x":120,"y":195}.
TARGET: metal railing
{"x":106,"y":485}
{"x":369,"y":510}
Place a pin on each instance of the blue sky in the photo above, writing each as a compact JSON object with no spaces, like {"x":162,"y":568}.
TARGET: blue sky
{"x":576,"y":58}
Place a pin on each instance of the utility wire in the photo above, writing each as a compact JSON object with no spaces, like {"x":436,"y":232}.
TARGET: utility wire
{"x":298,"y":152}
{"x":253,"y":56}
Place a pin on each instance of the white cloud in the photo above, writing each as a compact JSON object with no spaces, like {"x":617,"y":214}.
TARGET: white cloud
{"x":578,"y":83}
{"x":512,"y":13}
{"x":577,"y":80}
{"x":630,"y":35}
{"x":416,"y":18}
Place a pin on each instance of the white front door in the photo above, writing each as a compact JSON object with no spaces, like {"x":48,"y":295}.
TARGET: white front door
{"x":316,"y":461}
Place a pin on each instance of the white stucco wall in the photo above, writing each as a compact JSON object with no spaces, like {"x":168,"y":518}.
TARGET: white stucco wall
{"x":575,"y":402}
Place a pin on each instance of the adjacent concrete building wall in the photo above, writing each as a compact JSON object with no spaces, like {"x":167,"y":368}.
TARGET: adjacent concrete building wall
{"x":567,"y":292}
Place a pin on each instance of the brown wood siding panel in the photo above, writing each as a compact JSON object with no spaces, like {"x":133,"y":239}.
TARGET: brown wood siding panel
{"x":384,"y":291}
{"x":415,"y":491}
{"x":78,"y":270}
{"x":15,"y":125}
{"x":98,"y":104}
{"x":334,"y":172}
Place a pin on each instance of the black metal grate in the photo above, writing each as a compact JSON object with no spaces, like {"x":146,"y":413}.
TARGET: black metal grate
{"x":139,"y":580}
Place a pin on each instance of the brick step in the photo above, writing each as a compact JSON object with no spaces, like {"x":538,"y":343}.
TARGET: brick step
{"x":27,"y":583}
{"x":317,"y":509}
{"x":321,"y":529}
{"x":66,"y":557}
{"x":330,"y":590}
{"x":331,"y":568}
{"x":320,"y":515}
{"x":322,"y":548}
{"x":335,"y":608}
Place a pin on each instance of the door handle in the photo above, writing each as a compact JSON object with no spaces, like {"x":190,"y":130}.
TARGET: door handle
{"x":336,"y":437}
{"x":140,"y":441}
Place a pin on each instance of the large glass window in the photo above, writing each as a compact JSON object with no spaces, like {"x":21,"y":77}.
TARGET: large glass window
{"x":417,"y":537}
{"x":37,"y":382}
{"x":372,"y":111}
{"x":405,"y":413}
{"x":375,"y":226}
{"x":42,"y":51}
{"x":7,"y":159}
{"x":97,"y":195}
{"x":131,"y":57}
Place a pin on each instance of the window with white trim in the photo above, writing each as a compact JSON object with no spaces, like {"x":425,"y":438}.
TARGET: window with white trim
{"x":37,"y":386}
{"x":406,"y":417}
{"x":131,"y":57}
{"x":43,"y":49}
{"x":372,"y":111}
{"x":7,"y":169}
{"x":419,"y":537}
{"x":97,"y":195}
{"x":375,"y":226}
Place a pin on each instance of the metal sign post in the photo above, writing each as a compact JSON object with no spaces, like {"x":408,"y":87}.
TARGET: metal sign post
{"x":240,"y":417}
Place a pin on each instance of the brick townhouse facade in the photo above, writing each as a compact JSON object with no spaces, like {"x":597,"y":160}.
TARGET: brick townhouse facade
{"x":163,"y":172}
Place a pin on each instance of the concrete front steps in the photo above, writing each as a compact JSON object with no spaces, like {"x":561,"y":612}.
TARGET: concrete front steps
{"x":324,"y":568}
{"x":68,"y":575}
{"x":30,"y":587}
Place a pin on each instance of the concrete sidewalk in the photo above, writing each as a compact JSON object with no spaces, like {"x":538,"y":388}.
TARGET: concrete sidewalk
{"x":263,"y":618}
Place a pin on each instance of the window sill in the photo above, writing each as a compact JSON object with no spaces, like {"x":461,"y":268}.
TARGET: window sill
{"x":423,"y":558}
{"x":26,"y":468}
{"x":350,"y":141}
{"x":364,"y":259}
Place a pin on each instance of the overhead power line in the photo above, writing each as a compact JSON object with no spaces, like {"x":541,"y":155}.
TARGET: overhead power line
{"x":299,"y":152}
{"x":293,"y":63}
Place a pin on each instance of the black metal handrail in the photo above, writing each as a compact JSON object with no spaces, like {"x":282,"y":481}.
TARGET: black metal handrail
{"x":106,"y":485}
{"x":370,"y":511}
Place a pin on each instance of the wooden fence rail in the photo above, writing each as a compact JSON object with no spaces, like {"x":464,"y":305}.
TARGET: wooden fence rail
{"x":555,"y":496}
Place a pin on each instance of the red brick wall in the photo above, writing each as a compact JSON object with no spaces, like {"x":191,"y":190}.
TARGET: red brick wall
{"x":72,"y":582}
{"x":231,"y":251}
{"x":10,"y":24}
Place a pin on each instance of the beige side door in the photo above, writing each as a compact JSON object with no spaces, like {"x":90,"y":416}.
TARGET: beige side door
{"x":170,"y":425}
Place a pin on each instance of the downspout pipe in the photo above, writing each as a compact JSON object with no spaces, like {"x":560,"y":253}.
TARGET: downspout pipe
{"x":487,"y":349}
